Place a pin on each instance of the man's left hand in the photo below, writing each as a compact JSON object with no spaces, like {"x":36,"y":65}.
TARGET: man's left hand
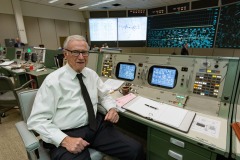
{"x":112,"y":116}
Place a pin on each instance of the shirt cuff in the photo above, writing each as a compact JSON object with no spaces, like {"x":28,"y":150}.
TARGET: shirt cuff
{"x":58,"y":138}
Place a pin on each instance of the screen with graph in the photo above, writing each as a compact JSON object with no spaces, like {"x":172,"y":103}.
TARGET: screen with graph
{"x":103,"y":29}
{"x":197,"y":28}
{"x":132,"y":29}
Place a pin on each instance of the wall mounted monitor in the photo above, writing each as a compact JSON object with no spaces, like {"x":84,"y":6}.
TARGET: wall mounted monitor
{"x":163,"y":76}
{"x":126,"y":71}
{"x":103,"y":29}
{"x":132,"y":29}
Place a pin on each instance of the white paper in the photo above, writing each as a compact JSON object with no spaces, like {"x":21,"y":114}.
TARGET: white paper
{"x":206,"y":126}
{"x":6,"y":63}
{"x":113,"y":84}
{"x":160,"y":112}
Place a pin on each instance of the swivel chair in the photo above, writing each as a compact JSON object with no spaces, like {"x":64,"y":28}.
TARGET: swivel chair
{"x":8,"y":94}
{"x":32,"y":143}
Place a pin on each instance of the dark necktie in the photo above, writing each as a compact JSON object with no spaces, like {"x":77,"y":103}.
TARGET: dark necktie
{"x":91,"y":116}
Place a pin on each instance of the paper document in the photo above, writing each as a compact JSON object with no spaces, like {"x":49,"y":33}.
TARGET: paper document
{"x":159,"y":112}
{"x":125,"y":99}
{"x":6,"y":63}
{"x":206,"y":126}
{"x":113,"y":84}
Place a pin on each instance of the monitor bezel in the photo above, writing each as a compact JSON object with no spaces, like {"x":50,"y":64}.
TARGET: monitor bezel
{"x":118,"y":69}
{"x":163,"y":67}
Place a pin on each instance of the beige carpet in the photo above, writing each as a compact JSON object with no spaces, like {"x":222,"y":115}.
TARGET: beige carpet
{"x":11,"y":145}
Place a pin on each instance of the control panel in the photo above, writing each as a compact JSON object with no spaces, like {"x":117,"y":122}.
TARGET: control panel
{"x":176,"y":80}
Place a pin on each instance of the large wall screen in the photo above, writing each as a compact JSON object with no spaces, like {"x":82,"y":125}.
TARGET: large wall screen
{"x":228,"y":35}
{"x":103,"y":29}
{"x":197,"y":28}
{"x":132,"y":29}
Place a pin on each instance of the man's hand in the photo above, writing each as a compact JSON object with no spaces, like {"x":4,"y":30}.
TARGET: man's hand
{"x":112,"y":116}
{"x":74,"y":145}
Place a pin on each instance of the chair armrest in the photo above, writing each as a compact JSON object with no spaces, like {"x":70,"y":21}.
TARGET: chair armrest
{"x":29,"y":139}
{"x":25,"y":84}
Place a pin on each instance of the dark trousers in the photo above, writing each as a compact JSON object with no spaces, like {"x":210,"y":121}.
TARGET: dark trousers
{"x":106,"y":139}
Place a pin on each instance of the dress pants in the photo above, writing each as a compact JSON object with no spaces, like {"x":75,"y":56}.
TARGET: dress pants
{"x":106,"y":139}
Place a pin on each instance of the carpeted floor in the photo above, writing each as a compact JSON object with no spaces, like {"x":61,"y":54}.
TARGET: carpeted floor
{"x":11,"y":145}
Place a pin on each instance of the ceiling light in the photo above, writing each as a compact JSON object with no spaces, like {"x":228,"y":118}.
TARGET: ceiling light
{"x":52,"y":1}
{"x":103,"y":2}
{"x":83,"y":7}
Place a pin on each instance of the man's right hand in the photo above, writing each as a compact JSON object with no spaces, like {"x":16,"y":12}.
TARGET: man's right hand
{"x":74,"y":145}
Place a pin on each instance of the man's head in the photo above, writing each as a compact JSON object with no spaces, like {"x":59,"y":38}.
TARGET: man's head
{"x":17,"y":40}
{"x":76,"y":52}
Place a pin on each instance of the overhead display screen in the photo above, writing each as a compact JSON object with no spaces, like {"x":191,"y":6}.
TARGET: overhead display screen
{"x":228,"y":27}
{"x":132,"y":29}
{"x":103,"y":29}
{"x":173,"y":30}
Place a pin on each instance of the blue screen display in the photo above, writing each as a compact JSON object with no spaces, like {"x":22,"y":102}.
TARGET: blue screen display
{"x":164,"y":77}
{"x":127,"y":71}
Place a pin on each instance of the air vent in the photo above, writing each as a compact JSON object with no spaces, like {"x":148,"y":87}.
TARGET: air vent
{"x":69,"y":4}
{"x":105,"y":7}
{"x":116,"y":4}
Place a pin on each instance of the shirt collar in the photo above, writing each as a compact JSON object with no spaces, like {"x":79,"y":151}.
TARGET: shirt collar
{"x":73,"y":73}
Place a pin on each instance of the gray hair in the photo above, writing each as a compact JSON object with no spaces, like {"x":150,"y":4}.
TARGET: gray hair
{"x":73,"y":37}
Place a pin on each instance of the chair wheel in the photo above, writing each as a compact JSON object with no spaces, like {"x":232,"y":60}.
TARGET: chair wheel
{"x":3,"y":115}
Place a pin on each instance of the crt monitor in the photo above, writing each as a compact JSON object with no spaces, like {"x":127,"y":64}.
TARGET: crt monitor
{"x":163,"y":76}
{"x":126,"y":71}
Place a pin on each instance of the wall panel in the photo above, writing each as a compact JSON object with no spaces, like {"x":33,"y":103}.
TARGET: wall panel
{"x":75,"y":28}
{"x":32,"y":31}
{"x":223,"y":52}
{"x":8,"y":27}
{"x":48,"y":33}
{"x":62,"y":29}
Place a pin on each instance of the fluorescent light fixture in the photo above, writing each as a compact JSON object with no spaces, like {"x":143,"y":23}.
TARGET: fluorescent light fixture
{"x":52,"y":1}
{"x":83,"y":7}
{"x":103,"y":2}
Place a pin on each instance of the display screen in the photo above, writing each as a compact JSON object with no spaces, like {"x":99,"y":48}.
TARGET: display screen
{"x":228,"y":27}
{"x":126,"y":71}
{"x":103,"y":29}
{"x":163,"y":76}
{"x":132,"y":29}
{"x":172,"y":30}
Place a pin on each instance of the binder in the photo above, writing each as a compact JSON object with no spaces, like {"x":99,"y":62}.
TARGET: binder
{"x":174,"y":117}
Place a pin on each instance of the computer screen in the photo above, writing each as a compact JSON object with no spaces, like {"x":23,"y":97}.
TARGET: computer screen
{"x":103,"y":29}
{"x":163,"y":76}
{"x":126,"y":71}
{"x":132,"y":29}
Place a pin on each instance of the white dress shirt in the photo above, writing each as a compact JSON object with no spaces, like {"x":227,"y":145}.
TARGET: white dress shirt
{"x":59,"y":104}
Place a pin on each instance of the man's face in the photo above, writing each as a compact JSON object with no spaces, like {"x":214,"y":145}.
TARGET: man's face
{"x":76,"y":62}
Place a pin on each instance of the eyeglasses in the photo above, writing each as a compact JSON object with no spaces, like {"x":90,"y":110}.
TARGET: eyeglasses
{"x":77,"y":53}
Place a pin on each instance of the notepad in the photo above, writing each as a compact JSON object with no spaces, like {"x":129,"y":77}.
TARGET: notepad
{"x":125,"y":99}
